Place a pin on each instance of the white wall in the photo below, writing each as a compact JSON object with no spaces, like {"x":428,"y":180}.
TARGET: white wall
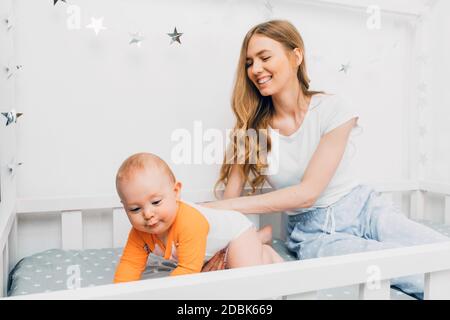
{"x":434,"y":39}
{"x":90,"y":101}
{"x":8,"y":133}
{"x":438,"y":110}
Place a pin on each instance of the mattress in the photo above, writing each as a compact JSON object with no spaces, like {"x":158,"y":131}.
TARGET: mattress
{"x":56,"y":269}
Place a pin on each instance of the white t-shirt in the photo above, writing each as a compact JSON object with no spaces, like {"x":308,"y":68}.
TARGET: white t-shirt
{"x":224,"y":227}
{"x":290,"y":155}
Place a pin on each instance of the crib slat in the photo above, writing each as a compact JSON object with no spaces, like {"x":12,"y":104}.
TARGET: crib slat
{"x":397,"y":198}
{"x":437,"y":285}
{"x":72,"y":230}
{"x":121,"y":227}
{"x":447,"y":210}
{"x":389,"y":196}
{"x":382,"y":292}
{"x":4,"y":271}
{"x":12,"y":245}
{"x":417,"y":205}
{"x":2,"y":276}
{"x":303,"y":296}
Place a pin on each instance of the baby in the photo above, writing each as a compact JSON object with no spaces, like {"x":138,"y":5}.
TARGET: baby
{"x":186,"y":233}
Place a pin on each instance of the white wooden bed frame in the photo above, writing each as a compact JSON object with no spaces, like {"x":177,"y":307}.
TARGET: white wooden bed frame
{"x":289,"y":280}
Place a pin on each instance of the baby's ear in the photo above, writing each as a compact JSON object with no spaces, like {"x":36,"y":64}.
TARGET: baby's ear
{"x":177,"y":188}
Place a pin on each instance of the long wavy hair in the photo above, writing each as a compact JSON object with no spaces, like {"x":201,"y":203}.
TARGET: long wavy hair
{"x":254,"y":111}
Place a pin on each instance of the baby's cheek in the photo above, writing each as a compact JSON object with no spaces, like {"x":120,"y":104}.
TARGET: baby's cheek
{"x":172,"y":211}
{"x":135,"y":220}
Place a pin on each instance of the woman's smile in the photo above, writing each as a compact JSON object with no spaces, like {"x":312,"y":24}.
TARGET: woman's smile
{"x":264,"y":80}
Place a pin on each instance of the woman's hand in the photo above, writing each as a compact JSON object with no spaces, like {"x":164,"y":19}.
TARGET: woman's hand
{"x":226,"y":204}
{"x":208,"y":204}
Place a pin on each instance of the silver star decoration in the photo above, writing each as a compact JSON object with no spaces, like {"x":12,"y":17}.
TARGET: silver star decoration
{"x":12,"y":167}
{"x":424,"y":14}
{"x":345,"y":67}
{"x":422,"y":59}
{"x":422,"y":87}
{"x":374,"y":60}
{"x":268,"y":6}
{"x":423,"y":159}
{"x":136,"y":38}
{"x":268,"y":10}
{"x":422,"y":131}
{"x":96,"y":25}
{"x":10,"y":70}
{"x":56,"y":1}
{"x":9,"y":23}
{"x":397,"y":24}
{"x":413,"y":23}
{"x":11,"y":117}
{"x":175,"y":36}
{"x":422,"y":103}
{"x":430,"y":3}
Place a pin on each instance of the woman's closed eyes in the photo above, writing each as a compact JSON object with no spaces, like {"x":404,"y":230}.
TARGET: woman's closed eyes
{"x":249,"y":63}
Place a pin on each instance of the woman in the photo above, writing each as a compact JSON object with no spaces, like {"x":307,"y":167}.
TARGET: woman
{"x":308,"y":161}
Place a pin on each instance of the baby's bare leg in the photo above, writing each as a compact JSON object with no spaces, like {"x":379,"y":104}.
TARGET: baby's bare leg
{"x":265,"y":234}
{"x":272,"y":254}
{"x":247,"y":250}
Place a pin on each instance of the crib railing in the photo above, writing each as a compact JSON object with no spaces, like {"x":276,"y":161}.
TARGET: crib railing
{"x":72,"y":229}
{"x":312,"y":275}
{"x":290,"y":280}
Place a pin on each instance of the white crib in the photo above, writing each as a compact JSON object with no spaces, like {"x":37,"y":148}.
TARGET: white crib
{"x":65,"y":220}
{"x":289,"y":280}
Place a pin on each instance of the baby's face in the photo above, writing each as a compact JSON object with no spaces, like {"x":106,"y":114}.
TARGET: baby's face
{"x":150,"y":200}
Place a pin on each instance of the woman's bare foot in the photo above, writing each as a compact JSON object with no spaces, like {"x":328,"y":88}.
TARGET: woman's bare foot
{"x":265,"y":234}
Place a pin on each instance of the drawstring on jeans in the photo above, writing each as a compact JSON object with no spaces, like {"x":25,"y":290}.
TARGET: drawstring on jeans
{"x":329,"y":216}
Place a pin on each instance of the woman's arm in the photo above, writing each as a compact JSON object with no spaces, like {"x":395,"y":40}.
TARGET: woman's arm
{"x":235,"y":184}
{"x":318,"y":174}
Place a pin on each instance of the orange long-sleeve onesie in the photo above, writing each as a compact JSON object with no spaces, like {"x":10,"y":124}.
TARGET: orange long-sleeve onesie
{"x":188,"y":233}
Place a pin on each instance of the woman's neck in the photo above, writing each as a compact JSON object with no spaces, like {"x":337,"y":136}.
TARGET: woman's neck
{"x":291,"y":103}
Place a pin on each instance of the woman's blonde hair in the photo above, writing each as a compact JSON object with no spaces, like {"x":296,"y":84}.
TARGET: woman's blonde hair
{"x":254,"y":111}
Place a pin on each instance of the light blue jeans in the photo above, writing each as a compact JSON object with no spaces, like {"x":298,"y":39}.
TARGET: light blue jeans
{"x":360,"y":221}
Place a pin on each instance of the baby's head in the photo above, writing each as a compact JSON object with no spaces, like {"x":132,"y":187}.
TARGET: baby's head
{"x":149,"y":192}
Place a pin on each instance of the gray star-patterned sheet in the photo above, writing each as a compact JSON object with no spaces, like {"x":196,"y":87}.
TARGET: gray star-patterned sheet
{"x":56,"y":269}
